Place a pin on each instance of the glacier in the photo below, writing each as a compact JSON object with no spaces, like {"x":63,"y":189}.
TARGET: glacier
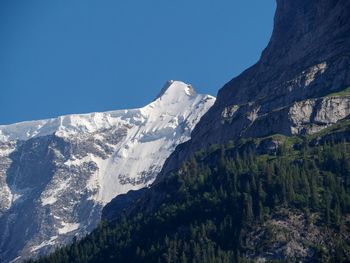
{"x":57,"y":174}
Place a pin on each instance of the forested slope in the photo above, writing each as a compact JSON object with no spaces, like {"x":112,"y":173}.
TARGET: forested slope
{"x":232,"y":203}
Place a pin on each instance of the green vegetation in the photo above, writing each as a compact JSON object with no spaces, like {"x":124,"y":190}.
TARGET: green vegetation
{"x":343,"y":92}
{"x":341,"y":126}
{"x":205,"y":210}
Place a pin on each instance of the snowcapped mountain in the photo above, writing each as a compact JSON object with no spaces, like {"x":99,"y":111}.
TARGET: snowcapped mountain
{"x":57,"y":174}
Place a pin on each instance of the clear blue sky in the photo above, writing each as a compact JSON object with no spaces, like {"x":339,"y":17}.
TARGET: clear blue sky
{"x":77,"y":56}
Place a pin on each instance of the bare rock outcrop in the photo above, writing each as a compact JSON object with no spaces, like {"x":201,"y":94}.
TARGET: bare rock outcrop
{"x":286,"y":91}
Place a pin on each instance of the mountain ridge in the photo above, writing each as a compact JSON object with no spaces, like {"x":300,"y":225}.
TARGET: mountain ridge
{"x":306,"y":59}
{"x":35,"y":128}
{"x":57,"y":174}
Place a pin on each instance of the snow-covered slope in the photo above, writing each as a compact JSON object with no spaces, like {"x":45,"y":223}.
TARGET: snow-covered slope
{"x":57,"y":174}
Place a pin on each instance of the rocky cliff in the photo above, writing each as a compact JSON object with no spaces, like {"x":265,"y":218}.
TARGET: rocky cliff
{"x":299,"y":85}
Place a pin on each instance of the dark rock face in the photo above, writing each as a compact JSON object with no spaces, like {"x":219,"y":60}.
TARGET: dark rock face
{"x":29,"y":226}
{"x":308,"y":58}
{"x":116,"y":207}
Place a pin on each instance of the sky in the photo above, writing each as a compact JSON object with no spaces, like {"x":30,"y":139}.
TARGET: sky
{"x":79,"y":56}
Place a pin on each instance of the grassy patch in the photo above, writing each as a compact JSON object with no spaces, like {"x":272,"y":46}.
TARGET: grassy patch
{"x":337,"y":127}
{"x":340,"y":93}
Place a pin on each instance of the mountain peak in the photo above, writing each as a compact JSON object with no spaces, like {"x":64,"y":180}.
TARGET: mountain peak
{"x":172,"y":88}
{"x":89,"y":158}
